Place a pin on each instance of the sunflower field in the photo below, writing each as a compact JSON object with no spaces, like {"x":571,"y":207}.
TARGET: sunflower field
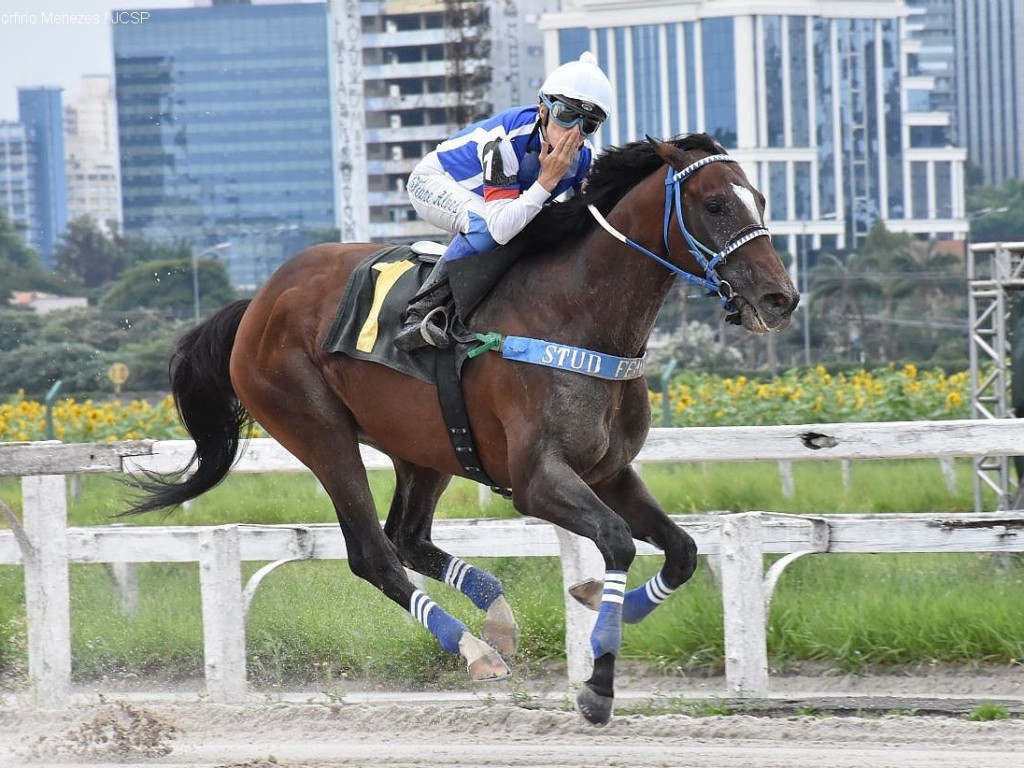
{"x":813,"y":395}
{"x":694,"y":399}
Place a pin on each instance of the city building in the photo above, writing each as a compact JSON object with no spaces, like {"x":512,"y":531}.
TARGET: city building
{"x":41,"y":114}
{"x":15,"y":180}
{"x":226,"y":130}
{"x":428,"y":69}
{"x":816,"y":98}
{"x":990,"y":86}
{"x":932,"y":28}
{"x":90,"y":148}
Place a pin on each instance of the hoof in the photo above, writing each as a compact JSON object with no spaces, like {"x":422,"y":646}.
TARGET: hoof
{"x":489,"y":667}
{"x":595,"y":708}
{"x":482,"y":661}
{"x":588,"y":593}
{"x":500,"y":630}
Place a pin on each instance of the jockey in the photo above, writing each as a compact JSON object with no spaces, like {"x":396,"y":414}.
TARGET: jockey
{"x":489,"y":180}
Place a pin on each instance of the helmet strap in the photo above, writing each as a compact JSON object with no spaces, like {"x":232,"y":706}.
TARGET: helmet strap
{"x":543,"y":124}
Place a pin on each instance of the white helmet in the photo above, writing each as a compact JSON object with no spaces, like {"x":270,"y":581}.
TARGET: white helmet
{"x":581,"y":81}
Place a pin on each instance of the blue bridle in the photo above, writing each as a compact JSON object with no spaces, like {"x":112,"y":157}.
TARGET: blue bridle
{"x":707,"y":258}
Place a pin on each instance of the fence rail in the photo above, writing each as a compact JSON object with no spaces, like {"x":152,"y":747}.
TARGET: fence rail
{"x":46,"y":546}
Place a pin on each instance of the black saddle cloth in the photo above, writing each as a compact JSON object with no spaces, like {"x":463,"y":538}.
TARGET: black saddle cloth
{"x":372,"y":311}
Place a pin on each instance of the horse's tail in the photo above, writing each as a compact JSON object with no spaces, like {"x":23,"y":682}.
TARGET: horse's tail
{"x":208,"y":407}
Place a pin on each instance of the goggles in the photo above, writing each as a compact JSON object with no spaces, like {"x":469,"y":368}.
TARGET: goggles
{"x":568,"y":116}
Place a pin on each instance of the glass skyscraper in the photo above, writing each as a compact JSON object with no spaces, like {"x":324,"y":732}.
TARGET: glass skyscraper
{"x":990,"y":85}
{"x":41,"y":113}
{"x":225,"y":123}
{"x":816,"y":101}
{"x":15,"y":182}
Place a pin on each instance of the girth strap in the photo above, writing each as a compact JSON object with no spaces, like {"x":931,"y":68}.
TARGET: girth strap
{"x":456,"y":419}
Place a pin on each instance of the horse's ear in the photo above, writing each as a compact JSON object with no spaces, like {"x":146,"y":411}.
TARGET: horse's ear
{"x":666,"y":151}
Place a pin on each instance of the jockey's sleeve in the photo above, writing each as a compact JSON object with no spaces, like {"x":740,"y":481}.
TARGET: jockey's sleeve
{"x":507,"y":209}
{"x":506,"y":216}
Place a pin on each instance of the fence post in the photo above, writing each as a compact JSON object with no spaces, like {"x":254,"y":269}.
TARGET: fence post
{"x":220,"y":579}
{"x":580,"y":560}
{"x":948,"y":467}
{"x":746,"y":649}
{"x":47,"y":593}
{"x":786,"y":477}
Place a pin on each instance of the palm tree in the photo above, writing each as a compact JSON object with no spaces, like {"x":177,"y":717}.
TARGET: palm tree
{"x":838,"y":290}
{"x":886,"y":259}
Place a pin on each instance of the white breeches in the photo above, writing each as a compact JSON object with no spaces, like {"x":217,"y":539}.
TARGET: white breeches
{"x":439,"y":199}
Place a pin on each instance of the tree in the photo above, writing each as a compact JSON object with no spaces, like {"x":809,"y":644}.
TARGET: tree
{"x":997,"y":213}
{"x":167,"y":284}
{"x":695,"y":346}
{"x":839,"y":287}
{"x":138,"y":249}
{"x":35,"y":367}
{"x":87,"y":255}
{"x":20,"y":268}
{"x":939,"y":299}
{"x":886,"y":261}
{"x":18,"y":327}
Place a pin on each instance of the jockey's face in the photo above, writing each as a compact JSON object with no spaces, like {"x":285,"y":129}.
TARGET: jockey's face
{"x":553,"y":132}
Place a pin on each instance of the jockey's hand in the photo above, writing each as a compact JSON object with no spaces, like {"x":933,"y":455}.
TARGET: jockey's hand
{"x":556,"y":159}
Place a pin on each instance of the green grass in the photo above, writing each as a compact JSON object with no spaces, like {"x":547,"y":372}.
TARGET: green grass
{"x":988,"y":712}
{"x":315,"y":623}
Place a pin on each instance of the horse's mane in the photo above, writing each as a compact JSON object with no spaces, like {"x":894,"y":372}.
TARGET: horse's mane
{"x":615,"y":171}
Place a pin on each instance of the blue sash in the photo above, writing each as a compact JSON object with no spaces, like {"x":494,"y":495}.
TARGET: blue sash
{"x":575,"y":359}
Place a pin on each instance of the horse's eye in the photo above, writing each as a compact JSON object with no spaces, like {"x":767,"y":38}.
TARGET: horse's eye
{"x":714,"y":205}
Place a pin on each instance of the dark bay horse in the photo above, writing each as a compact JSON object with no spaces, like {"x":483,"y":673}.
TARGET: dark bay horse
{"x":592,"y":276}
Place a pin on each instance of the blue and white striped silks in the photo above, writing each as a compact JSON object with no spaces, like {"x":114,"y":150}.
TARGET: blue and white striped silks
{"x":442,"y":625}
{"x":476,"y":584}
{"x":515,"y":132}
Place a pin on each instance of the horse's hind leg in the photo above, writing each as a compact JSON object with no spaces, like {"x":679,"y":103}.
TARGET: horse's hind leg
{"x":630,"y":498}
{"x":324,"y":439}
{"x":409,"y":522}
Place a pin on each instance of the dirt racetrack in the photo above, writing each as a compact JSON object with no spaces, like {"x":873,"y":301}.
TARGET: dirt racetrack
{"x":500,"y":731}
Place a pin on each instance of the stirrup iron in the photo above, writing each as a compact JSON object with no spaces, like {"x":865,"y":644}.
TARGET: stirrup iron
{"x":434,"y":328}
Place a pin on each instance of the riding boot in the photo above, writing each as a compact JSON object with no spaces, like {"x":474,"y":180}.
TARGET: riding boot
{"x":426,"y":319}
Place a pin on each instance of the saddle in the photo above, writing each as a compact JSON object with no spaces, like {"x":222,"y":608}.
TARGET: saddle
{"x":371,"y":314}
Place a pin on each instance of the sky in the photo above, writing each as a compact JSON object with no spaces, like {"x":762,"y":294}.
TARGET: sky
{"x":34,"y":52}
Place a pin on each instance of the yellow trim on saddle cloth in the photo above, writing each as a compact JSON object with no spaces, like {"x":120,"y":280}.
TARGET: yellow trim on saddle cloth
{"x":389,"y":274}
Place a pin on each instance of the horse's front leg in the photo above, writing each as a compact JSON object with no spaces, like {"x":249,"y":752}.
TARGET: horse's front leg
{"x":630,"y":498}
{"x":554,"y":492}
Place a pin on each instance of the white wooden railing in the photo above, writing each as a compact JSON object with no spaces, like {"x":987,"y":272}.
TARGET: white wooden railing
{"x":45,"y":545}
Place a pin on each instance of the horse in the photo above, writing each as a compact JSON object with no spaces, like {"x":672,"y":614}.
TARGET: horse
{"x":560,"y":441}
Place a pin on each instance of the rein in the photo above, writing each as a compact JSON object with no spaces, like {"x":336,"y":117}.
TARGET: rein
{"x":706,"y":257}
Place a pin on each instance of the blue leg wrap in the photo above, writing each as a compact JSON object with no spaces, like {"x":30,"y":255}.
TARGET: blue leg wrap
{"x":639,"y":602}
{"x":476,"y":584}
{"x":442,"y":625}
{"x":607,"y":634}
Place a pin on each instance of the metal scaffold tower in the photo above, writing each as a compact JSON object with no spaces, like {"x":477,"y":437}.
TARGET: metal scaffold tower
{"x":467,"y":52}
{"x":995,"y":273}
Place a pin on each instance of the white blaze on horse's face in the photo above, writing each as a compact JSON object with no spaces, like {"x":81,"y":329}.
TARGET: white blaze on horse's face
{"x":747,"y":198}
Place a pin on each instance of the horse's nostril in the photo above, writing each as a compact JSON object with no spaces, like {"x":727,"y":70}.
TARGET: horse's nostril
{"x":781,"y":302}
